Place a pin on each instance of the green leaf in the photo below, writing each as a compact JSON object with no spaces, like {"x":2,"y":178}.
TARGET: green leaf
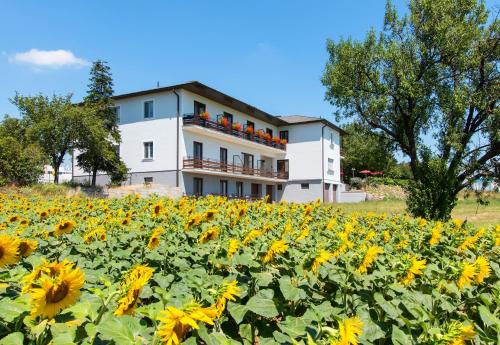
{"x":122,"y":330}
{"x":293,"y":326}
{"x":400,"y":337}
{"x":290,"y":292}
{"x":488,"y":318}
{"x":237,"y":311}
{"x":386,"y":306}
{"x":11,"y":309}
{"x":16,"y":338}
{"x":262,"y":304}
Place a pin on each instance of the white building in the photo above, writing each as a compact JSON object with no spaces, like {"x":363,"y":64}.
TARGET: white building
{"x":167,"y":140}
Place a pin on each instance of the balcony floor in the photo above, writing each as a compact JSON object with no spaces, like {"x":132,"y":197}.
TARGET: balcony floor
{"x":233,"y":175}
{"x":232,"y":139}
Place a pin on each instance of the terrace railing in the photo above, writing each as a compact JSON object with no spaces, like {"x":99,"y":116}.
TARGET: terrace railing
{"x":190,"y":119}
{"x":215,"y":165}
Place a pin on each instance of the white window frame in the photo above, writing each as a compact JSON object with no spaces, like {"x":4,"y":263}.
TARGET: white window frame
{"x":152,"y":149}
{"x":144,"y":109}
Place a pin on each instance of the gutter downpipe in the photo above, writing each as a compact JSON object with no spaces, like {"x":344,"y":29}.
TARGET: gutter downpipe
{"x":177,"y":143}
{"x":323,"y":162}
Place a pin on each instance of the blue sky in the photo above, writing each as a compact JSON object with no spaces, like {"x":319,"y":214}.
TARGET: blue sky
{"x":270,"y":54}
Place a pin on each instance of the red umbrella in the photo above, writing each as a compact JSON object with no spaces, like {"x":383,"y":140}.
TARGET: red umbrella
{"x":365,"y":172}
{"x":377,"y":173}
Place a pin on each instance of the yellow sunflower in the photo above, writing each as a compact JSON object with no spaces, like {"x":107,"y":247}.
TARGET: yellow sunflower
{"x":154,"y":240}
{"x":483,"y":269}
{"x":58,"y":293}
{"x":132,"y":286}
{"x":227,"y":292}
{"x":467,"y":276}
{"x":27,"y":247}
{"x":370,"y":257}
{"x":277,"y":247}
{"x":209,"y":235}
{"x":64,"y":227}
{"x":323,"y":257}
{"x":414,"y":270}
{"x":232,"y":248}
{"x":51,"y":269}
{"x":176,"y":323}
{"x":349,"y":330}
{"x":9,"y":250}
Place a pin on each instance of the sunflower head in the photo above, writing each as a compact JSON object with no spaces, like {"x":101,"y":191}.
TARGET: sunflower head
{"x":64,"y":227}
{"x":56,"y":293}
{"x":9,"y":250}
{"x":132,"y":286}
{"x":27,"y":247}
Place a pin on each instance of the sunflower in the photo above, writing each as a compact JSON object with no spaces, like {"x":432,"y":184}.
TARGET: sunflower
{"x":414,"y":270}
{"x":157,"y":209}
{"x":51,"y":269}
{"x":154,"y":240}
{"x":483,"y":269}
{"x":27,"y":247}
{"x":277,"y":247}
{"x":209,"y":214}
{"x":132,"y":286}
{"x":459,"y":334}
{"x":176,"y":323}
{"x":232,"y":248}
{"x":57,"y":293}
{"x":436,"y":234}
{"x":323,"y":257}
{"x":467,"y":276}
{"x":370,"y":256}
{"x":253,"y":234}
{"x":303,"y":233}
{"x":64,"y":227}
{"x":9,"y":250}
{"x":349,"y":330}
{"x":193,"y":221}
{"x":208,"y":235}
{"x":227,"y":292}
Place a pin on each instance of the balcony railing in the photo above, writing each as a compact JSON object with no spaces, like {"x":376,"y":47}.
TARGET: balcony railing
{"x":214,"y":165}
{"x":190,"y":119}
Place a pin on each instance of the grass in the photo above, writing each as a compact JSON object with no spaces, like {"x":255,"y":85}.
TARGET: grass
{"x":466,"y":209}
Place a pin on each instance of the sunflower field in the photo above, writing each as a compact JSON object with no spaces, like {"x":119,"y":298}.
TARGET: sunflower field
{"x":215,"y":271}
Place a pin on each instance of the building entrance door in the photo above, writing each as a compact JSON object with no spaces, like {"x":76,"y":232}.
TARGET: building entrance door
{"x":326,"y":193}
{"x":269,"y":193}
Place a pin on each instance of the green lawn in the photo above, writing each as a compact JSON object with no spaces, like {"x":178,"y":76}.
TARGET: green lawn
{"x":466,"y":209}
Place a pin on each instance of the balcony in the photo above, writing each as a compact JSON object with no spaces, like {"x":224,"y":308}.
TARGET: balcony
{"x":194,"y":120}
{"x":214,"y":167}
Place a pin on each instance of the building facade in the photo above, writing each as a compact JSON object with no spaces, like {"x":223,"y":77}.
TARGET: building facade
{"x":204,"y":142}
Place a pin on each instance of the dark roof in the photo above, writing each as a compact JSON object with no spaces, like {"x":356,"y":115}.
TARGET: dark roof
{"x":214,"y":95}
{"x":303,"y":119}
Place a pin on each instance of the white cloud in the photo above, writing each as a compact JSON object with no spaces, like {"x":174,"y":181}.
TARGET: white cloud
{"x":49,"y":58}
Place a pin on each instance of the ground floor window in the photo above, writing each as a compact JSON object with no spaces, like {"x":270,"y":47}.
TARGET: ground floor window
{"x":280,"y":187}
{"x":148,"y":180}
{"x":239,"y":189}
{"x":304,"y":185}
{"x":198,"y":186}
{"x":223,"y":187}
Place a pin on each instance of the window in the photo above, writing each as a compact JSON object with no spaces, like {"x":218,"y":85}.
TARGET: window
{"x":198,"y":186}
{"x":148,"y":109}
{"x":239,"y":189}
{"x":223,"y":187}
{"x":330,"y":165}
{"x":229,"y":118}
{"x":199,"y":108}
{"x":116,"y":112}
{"x":331,"y":138}
{"x":247,"y":163}
{"x":280,"y":187}
{"x":223,"y":159}
{"x":250,"y":124}
{"x":269,"y":131}
{"x":284,"y":135}
{"x":198,"y":154}
{"x":148,"y":150}
{"x":304,"y":186}
{"x":282,"y":165}
{"x":148,"y":180}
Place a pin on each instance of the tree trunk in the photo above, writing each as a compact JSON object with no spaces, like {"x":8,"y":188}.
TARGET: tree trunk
{"x":56,"y":173}
{"x":94,"y":177}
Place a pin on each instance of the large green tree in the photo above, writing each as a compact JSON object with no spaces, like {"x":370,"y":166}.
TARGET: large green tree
{"x":364,"y":149}
{"x":53,"y":123}
{"x":433,"y":71}
{"x":21,"y":160}
{"x":100,"y":132}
